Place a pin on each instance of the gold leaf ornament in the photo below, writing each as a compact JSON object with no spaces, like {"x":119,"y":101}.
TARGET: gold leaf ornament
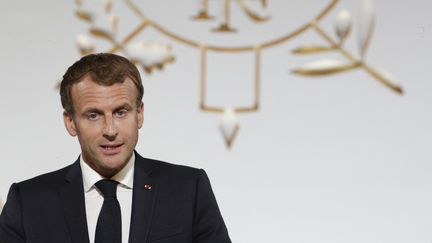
{"x":84,"y":15}
{"x":108,"y":5}
{"x":97,"y":13}
{"x":324,"y":67}
{"x":366,"y":26}
{"x":343,"y":25}
{"x":150,"y":55}
{"x":386,"y":78}
{"x":104,"y":26}
{"x":229,"y":126}
{"x":85,"y":44}
{"x":311,"y":49}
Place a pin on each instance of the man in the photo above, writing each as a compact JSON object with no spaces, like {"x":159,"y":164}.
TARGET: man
{"x":111,"y":193}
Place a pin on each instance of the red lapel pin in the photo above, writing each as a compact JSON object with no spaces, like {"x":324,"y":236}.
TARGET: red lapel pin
{"x":147,"y":186}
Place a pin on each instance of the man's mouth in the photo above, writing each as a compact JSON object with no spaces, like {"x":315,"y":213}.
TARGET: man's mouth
{"x":109,"y":149}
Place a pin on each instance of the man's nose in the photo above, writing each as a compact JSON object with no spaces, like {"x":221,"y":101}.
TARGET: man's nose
{"x":110,"y":130}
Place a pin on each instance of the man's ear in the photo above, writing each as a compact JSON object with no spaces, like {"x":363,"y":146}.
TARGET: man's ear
{"x":69,"y":124}
{"x":140,"y":111}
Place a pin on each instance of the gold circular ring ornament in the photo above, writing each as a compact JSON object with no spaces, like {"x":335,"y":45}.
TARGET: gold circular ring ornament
{"x":211,"y":47}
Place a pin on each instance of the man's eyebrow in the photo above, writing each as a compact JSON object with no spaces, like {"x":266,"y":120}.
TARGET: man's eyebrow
{"x":92,"y":110}
{"x":123,"y":106}
{"x":96,"y":110}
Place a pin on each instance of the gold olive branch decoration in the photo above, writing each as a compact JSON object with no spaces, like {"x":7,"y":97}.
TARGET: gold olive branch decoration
{"x":103,"y":25}
{"x":343,"y":28}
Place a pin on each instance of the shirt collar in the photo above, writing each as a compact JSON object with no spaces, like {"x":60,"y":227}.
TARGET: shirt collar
{"x":124,"y":176}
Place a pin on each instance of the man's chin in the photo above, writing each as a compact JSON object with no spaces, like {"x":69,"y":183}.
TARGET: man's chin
{"x":108,"y":166}
{"x":110,"y":171}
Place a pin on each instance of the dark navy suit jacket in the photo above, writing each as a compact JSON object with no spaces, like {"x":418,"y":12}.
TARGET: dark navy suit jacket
{"x":176,"y":206}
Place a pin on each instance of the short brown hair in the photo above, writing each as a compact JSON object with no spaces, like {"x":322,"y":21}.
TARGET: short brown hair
{"x":104,"y":69}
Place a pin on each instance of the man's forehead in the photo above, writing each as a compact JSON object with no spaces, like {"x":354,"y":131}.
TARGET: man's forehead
{"x":87,"y":84}
{"x":88,"y":91}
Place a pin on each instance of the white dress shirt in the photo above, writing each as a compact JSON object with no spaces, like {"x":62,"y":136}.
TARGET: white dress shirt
{"x":94,"y":198}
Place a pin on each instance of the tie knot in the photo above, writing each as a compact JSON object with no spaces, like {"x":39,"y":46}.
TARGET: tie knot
{"x":107,"y":187}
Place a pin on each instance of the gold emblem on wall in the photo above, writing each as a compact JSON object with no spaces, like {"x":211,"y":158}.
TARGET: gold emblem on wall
{"x":225,"y":24}
{"x":104,"y":25}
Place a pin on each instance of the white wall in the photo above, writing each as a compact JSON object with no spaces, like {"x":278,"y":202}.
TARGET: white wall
{"x":336,"y":159}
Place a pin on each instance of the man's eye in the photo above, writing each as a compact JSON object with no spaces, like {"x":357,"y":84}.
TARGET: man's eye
{"x":92,"y":116}
{"x":121,"y":113}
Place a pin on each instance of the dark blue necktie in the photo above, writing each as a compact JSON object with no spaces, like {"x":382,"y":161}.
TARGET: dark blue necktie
{"x":108,"y":228}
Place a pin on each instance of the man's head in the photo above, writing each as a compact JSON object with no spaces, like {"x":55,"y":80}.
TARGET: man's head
{"x":104,"y":69}
{"x":101,"y":96}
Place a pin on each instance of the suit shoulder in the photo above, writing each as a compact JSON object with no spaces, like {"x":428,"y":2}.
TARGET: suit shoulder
{"x":168,"y":166}
{"x":166,"y":169}
{"x":47,"y":179}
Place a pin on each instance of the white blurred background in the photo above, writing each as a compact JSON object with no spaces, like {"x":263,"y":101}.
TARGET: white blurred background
{"x":334,"y":159}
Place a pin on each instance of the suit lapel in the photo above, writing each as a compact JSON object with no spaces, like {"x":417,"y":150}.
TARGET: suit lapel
{"x":143,"y":200}
{"x":72,"y":196}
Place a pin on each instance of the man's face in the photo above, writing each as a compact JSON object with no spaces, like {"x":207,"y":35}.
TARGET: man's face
{"x":106,"y":122}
